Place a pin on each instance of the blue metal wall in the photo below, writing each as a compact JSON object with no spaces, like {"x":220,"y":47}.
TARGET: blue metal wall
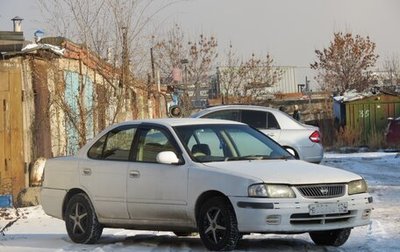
{"x":71,"y":96}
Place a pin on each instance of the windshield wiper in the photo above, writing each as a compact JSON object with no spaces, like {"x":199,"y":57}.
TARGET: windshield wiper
{"x":248,"y":157}
{"x":256,"y":157}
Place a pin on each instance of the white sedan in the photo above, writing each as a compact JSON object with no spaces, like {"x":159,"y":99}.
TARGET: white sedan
{"x":220,"y":178}
{"x":301,"y":140}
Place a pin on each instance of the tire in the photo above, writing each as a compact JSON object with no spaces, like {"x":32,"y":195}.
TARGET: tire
{"x":184,"y":234}
{"x":331,"y":237}
{"x":217,"y":225}
{"x":81,"y":220}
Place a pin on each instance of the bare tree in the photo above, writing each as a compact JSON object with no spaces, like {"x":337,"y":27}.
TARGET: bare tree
{"x":345,"y":63}
{"x":251,"y":78}
{"x":98,"y":25}
{"x":170,"y":53}
{"x":194,"y":58}
{"x":113,"y":30}
{"x":391,"y":70}
{"x":261,"y":74}
{"x":82,"y":99}
{"x":202,"y":55}
{"x":231,"y":75}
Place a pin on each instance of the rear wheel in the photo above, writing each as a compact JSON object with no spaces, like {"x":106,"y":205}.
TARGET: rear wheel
{"x":81,"y":220}
{"x":331,"y":237}
{"x":218,"y":225}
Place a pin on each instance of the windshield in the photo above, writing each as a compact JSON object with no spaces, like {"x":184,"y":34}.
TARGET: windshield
{"x":225,"y":142}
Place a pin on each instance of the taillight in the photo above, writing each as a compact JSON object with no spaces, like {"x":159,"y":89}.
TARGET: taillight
{"x":315,"y":137}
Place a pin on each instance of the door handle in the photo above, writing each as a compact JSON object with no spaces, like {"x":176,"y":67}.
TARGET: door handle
{"x":134,"y":174}
{"x":271,"y":134}
{"x":87,"y":171}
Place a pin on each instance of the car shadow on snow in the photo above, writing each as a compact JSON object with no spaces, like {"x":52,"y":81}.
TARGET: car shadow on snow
{"x":173,"y":243}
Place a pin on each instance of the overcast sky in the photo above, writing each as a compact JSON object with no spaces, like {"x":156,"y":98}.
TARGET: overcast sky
{"x":288,"y":29}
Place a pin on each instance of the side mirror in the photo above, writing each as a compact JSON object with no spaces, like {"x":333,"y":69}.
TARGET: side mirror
{"x":167,"y":157}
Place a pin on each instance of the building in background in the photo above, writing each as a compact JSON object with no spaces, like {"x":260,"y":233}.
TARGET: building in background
{"x":54,"y":96}
{"x":228,"y":82}
{"x":367,"y":112}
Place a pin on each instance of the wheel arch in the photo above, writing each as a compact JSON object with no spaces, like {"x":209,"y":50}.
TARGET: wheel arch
{"x":68,"y":196}
{"x":208,"y":195}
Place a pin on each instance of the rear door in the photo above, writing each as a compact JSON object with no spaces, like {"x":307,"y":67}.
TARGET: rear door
{"x":104,"y":173}
{"x":262,"y":120}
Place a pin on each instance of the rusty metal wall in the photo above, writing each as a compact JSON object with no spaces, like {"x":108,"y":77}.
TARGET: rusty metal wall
{"x":41,"y":125}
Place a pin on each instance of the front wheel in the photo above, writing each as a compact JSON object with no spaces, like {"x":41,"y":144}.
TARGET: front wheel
{"x":331,"y":237}
{"x":81,"y":220}
{"x":217,"y":225}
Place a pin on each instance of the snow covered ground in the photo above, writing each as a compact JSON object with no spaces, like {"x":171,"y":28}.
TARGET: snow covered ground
{"x":37,"y":232}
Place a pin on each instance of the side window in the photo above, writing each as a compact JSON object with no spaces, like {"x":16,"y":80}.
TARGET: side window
{"x":249,"y":145}
{"x":152,"y":142}
{"x":96,"y":151}
{"x":272,"y":122}
{"x":206,"y":143}
{"x":256,"y":119}
{"x":232,"y":115}
{"x":115,"y":145}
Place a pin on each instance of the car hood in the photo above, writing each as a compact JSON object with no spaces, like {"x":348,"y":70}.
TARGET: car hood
{"x":293,"y":172}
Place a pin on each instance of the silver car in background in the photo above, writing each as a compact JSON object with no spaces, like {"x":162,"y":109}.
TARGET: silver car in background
{"x":303,"y":141}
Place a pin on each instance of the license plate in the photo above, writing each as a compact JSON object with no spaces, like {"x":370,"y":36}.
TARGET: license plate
{"x":328,"y":208}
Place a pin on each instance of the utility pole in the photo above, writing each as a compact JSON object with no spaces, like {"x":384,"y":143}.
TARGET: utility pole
{"x":125,"y":58}
{"x":152,"y":65}
{"x":307,"y":85}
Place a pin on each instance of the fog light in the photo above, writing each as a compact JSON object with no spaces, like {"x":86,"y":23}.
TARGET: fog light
{"x":273,"y":219}
{"x":366,"y":213}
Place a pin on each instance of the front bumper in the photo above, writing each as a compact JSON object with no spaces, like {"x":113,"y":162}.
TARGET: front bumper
{"x":261,"y":215}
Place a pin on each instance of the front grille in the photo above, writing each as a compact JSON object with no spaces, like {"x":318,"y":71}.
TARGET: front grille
{"x":306,"y":219}
{"x":322,"y":191}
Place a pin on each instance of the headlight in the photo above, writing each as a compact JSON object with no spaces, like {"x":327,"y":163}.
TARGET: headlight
{"x":271,"y":191}
{"x":358,"y":186}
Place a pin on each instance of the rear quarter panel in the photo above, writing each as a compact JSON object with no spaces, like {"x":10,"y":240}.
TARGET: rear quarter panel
{"x":60,"y":175}
{"x":296,"y":137}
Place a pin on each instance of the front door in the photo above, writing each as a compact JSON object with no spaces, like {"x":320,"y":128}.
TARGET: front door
{"x":157,"y":193}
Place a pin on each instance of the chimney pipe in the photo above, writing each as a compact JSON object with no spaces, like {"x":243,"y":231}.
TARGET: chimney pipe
{"x":17,"y":24}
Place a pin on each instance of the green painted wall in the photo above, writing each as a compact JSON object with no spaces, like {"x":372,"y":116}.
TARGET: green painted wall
{"x":371,"y":113}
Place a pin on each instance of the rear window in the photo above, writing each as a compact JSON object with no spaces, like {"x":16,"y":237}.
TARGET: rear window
{"x":256,"y":119}
{"x":233,"y":115}
{"x":272,"y":122}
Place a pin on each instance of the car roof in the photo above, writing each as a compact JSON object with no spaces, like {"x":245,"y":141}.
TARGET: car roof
{"x":286,"y":121}
{"x":167,"y":122}
{"x":233,"y":106}
{"x":172,"y":122}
